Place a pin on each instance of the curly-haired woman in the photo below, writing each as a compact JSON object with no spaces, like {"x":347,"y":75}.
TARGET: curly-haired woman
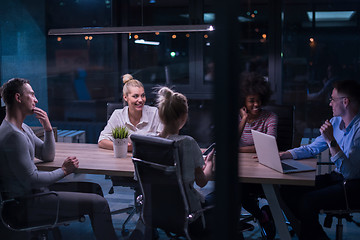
{"x":255,"y":93}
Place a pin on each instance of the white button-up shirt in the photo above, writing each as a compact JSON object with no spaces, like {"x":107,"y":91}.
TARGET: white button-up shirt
{"x":149,"y":122}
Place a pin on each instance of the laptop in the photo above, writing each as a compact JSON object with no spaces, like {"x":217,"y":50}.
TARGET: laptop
{"x":268,"y":155}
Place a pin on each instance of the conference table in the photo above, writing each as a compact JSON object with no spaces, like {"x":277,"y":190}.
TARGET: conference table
{"x":250,"y":171}
{"x":94,"y":160}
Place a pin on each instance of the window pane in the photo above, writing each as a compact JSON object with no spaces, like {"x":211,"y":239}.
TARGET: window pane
{"x":159,"y":12}
{"x":159,"y":58}
{"x":320,"y":46}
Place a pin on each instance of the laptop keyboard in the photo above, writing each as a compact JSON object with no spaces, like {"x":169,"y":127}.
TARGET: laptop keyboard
{"x":287,"y":167}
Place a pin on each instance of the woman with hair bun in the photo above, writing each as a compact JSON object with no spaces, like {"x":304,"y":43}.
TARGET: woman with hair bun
{"x":136,"y":116}
{"x":173,"y":113}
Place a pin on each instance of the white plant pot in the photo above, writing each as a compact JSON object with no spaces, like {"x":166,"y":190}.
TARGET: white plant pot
{"x":120,"y":147}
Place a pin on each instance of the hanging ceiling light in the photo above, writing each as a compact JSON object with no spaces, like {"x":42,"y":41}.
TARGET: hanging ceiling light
{"x":135,"y":29}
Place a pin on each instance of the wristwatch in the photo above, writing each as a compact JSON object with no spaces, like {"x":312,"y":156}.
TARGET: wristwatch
{"x":333,"y":143}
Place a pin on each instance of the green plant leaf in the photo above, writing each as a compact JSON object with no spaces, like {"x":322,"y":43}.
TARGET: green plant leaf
{"x":120,"y":132}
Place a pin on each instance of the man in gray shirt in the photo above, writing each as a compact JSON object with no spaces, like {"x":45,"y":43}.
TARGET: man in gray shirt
{"x":19,"y":175}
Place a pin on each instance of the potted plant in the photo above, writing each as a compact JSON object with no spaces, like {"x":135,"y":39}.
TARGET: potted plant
{"x":120,"y":135}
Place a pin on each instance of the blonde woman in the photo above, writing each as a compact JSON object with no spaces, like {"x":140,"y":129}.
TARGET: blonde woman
{"x":173,"y":113}
{"x":136,"y":116}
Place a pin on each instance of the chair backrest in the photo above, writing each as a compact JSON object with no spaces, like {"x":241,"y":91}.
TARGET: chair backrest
{"x":111,"y":106}
{"x":2,"y":114}
{"x":285,"y":128}
{"x":158,"y":170}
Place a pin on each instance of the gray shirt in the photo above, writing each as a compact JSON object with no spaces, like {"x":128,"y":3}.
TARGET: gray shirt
{"x":18,"y":148}
{"x":191,"y":158}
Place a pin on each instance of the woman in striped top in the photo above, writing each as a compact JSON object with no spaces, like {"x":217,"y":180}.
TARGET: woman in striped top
{"x":256,"y":93}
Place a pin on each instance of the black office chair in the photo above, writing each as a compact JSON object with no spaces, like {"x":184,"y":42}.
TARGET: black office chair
{"x":165,"y":202}
{"x":2,"y":114}
{"x":111,"y":107}
{"x":286,"y":123}
{"x":36,"y":228}
{"x":340,"y":214}
{"x":123,"y":181}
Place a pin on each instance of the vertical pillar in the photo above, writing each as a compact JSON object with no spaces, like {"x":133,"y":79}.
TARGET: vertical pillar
{"x":226,"y":118}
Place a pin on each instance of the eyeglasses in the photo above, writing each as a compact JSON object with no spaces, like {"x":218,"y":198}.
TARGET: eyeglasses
{"x":331,"y":99}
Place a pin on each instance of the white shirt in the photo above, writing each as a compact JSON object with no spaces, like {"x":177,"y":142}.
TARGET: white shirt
{"x":149,"y":122}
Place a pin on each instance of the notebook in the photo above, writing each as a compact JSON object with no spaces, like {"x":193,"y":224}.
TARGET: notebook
{"x":268,"y":155}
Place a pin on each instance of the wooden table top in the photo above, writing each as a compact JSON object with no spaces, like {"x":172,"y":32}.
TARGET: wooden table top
{"x":251,"y":171}
{"x":95,"y":160}
{"x":92,"y":159}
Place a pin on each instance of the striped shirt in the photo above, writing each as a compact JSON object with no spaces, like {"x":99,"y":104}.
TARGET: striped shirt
{"x":266,"y":123}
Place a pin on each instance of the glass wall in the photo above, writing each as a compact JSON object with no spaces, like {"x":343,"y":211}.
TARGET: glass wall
{"x":84,"y":71}
{"x":320,"y":46}
{"x":298,"y":45}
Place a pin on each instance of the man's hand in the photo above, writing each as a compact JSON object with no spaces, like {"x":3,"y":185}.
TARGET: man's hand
{"x":43,"y":118}
{"x":285,"y":155}
{"x":327,"y":131}
{"x":70,"y":165}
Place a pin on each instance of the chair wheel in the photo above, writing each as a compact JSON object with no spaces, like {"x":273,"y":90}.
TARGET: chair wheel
{"x":125,"y":232}
{"x":292,"y":232}
{"x":268,"y":228}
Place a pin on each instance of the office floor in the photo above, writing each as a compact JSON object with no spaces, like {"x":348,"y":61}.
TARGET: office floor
{"x":123,"y":197}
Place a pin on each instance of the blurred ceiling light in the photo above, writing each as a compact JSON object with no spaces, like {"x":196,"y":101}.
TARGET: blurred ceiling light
{"x":244,"y":19}
{"x":326,"y":16}
{"x":135,"y":29}
{"x":208,"y":17}
{"x":142,"y":41}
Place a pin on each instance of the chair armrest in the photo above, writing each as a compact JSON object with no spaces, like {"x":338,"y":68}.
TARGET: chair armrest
{"x":346,"y":198}
{"x":32,"y":196}
{"x":324,"y":163}
{"x":166,"y":168}
{"x":192,"y":216}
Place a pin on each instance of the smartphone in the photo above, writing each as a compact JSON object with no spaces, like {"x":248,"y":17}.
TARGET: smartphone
{"x":209,"y":149}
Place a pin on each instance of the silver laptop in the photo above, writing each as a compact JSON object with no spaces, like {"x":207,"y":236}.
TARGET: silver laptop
{"x":268,"y":155}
